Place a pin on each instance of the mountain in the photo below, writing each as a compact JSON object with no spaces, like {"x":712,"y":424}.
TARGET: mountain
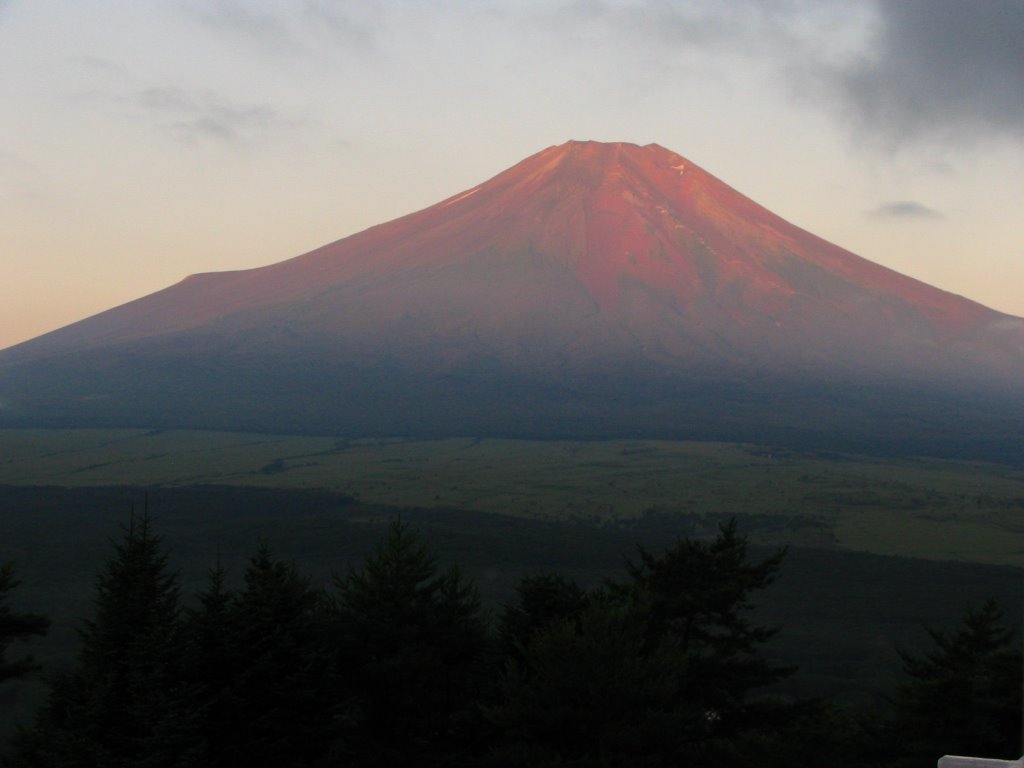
{"x":591,"y":289}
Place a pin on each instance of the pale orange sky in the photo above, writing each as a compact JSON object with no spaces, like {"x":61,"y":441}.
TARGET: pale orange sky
{"x":140,"y":143}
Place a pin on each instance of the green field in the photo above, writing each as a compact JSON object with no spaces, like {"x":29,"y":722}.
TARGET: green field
{"x":937,"y":509}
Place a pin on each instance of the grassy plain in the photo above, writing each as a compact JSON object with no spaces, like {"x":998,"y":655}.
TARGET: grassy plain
{"x":931,"y":508}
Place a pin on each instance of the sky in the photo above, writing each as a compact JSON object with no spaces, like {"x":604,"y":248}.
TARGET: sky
{"x":141,"y":142}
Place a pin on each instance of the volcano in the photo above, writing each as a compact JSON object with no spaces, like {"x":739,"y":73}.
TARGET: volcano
{"x":590,"y":290}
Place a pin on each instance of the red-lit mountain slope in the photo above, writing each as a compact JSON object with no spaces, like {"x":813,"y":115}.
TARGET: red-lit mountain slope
{"x":583,"y":267}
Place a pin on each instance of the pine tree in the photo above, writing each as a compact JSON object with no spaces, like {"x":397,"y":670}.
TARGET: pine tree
{"x":587,"y":691}
{"x":663,"y":668}
{"x":412,"y":641}
{"x":540,"y":601}
{"x":962,"y":697}
{"x":211,"y":660}
{"x":697,"y":597}
{"x":16,"y":626}
{"x":126,"y":702}
{"x":261,"y":657}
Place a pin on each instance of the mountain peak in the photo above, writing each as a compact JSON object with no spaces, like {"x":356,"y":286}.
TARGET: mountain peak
{"x":589,"y":161}
{"x":615,"y":148}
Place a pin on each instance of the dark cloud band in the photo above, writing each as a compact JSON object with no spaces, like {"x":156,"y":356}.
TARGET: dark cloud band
{"x":905,"y":209}
{"x":942,"y":69}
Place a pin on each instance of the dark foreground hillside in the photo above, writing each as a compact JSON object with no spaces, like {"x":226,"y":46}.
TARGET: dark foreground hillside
{"x":590,"y":652}
{"x":841,"y":614}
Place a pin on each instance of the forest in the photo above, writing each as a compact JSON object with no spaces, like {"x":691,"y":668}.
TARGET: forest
{"x":397,"y":662}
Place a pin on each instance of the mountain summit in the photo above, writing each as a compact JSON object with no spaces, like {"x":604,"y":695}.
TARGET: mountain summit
{"x":590,"y":289}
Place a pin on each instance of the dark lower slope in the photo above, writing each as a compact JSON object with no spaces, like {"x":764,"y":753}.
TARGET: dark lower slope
{"x":307,"y":394}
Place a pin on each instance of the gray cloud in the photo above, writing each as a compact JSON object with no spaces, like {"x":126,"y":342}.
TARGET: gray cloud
{"x":197,"y":115}
{"x":247,"y":21}
{"x":333,"y":17}
{"x":905,"y":209}
{"x":896,"y":71}
{"x":97,"y":65}
{"x":188,"y":114}
{"x":288,"y":29}
{"x":750,"y":27}
{"x":945,"y":69}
